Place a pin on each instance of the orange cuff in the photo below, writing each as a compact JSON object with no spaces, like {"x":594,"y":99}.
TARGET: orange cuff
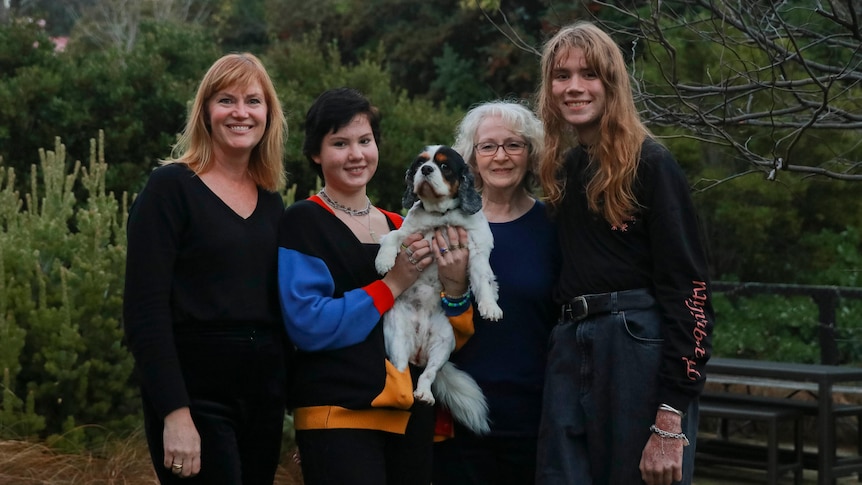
{"x":463,"y":327}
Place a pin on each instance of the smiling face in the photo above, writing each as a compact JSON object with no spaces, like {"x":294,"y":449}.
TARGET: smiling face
{"x":348,"y":157}
{"x":237,"y":118}
{"x":578,"y":93}
{"x":500,"y":171}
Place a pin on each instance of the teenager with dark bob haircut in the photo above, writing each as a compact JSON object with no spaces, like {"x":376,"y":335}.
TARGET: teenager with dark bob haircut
{"x":355,"y":417}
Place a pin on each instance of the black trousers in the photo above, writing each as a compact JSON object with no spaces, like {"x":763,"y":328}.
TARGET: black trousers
{"x":369,"y":457}
{"x":468,"y":459}
{"x":235,"y":378}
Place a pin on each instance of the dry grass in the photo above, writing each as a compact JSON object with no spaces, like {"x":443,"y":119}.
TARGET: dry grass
{"x":127,"y":463}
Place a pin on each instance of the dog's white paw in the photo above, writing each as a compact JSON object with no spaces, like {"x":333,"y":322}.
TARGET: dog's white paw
{"x":424,"y":395}
{"x":490,"y":311}
{"x":382,"y":266}
{"x":385,"y":260}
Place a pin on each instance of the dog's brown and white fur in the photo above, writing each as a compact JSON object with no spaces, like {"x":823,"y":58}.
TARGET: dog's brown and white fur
{"x":440,"y":192}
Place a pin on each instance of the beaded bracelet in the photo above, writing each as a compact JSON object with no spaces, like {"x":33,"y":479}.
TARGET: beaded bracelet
{"x":453,"y":298}
{"x":455,"y":302}
{"x":667,"y":434}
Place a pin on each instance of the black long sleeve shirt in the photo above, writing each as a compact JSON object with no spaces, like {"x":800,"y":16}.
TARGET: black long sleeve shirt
{"x":660,"y":248}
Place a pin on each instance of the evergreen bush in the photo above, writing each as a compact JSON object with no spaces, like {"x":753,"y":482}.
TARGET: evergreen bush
{"x":62,"y":264}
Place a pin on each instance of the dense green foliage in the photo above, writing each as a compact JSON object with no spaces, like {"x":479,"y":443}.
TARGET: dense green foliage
{"x":139,"y":97}
{"x":407,"y":124}
{"x":781,"y":328}
{"x":416,"y":36}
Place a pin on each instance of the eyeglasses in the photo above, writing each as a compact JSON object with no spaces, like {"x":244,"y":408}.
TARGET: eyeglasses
{"x":488,"y":148}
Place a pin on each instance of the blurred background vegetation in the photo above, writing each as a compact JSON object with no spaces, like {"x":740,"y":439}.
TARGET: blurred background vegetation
{"x":109,"y":81}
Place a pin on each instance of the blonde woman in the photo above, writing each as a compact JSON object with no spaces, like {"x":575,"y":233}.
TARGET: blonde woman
{"x":626,"y":362}
{"x":201,"y":308}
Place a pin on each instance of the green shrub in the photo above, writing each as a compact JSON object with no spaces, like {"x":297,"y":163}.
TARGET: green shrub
{"x":783,"y":328}
{"x":61,"y":273}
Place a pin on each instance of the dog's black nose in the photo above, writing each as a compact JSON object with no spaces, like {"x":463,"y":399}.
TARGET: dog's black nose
{"x":426,"y":169}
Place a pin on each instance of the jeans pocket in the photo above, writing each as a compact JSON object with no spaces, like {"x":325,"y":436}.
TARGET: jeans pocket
{"x":643,"y":326}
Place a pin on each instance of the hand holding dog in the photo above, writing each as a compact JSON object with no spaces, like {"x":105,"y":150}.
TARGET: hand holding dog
{"x":414,"y":257}
{"x":452,"y":262}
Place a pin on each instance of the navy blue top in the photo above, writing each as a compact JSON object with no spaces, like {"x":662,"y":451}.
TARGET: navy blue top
{"x":507,"y":358}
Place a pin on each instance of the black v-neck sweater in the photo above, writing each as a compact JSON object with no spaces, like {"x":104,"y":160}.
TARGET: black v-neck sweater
{"x":193,"y":261}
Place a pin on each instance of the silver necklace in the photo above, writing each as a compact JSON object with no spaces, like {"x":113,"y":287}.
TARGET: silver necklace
{"x":367,"y":226}
{"x":353,"y":213}
{"x":344,"y":208}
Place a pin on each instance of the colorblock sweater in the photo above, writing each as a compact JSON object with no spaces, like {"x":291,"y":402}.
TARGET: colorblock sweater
{"x":333,"y":302}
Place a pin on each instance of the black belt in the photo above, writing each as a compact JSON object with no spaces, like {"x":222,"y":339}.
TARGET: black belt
{"x":581,"y":307}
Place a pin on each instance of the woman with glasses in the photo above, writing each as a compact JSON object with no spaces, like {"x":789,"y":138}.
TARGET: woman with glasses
{"x":502,"y":142}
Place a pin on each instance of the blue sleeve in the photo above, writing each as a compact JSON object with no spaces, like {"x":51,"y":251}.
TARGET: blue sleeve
{"x":316,"y":320}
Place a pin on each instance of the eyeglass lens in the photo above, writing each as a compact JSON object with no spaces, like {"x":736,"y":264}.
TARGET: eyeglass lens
{"x":510,"y":147}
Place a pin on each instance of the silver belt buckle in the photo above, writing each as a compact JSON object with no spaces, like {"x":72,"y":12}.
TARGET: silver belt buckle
{"x":580,"y":310}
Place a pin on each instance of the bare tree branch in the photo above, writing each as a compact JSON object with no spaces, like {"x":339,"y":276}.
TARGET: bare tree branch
{"x":509,"y":32}
{"x":777,"y":75}
{"x":787,"y":71}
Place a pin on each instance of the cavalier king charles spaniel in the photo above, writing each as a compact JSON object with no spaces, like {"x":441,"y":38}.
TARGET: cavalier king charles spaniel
{"x":440,"y":192}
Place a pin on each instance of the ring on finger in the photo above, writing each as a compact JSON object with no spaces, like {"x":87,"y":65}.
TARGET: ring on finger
{"x":410,"y":258}
{"x":409,"y":252}
{"x":443,"y":250}
{"x":420,"y":268}
{"x":177,"y":466}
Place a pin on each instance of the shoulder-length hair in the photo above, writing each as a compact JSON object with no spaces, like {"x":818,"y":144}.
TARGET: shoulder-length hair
{"x":615,"y":156}
{"x":516,"y":117}
{"x":194,"y":146}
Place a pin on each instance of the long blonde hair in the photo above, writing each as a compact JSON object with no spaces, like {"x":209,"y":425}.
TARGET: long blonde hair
{"x":615,"y":156}
{"x":194,"y":146}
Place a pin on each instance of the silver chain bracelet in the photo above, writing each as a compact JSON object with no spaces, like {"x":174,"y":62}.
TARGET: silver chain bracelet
{"x":667,"y":434}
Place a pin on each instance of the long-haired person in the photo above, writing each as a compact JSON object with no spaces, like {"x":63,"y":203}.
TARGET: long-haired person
{"x":626,"y":362}
{"x":201,"y":308}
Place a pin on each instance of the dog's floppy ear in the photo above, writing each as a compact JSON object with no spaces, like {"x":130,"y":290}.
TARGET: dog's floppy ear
{"x":409,"y":198}
{"x":471,"y":200}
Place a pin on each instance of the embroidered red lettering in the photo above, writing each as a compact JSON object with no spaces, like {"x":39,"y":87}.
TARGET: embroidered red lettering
{"x":691,"y":369}
{"x":695,"y":304}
